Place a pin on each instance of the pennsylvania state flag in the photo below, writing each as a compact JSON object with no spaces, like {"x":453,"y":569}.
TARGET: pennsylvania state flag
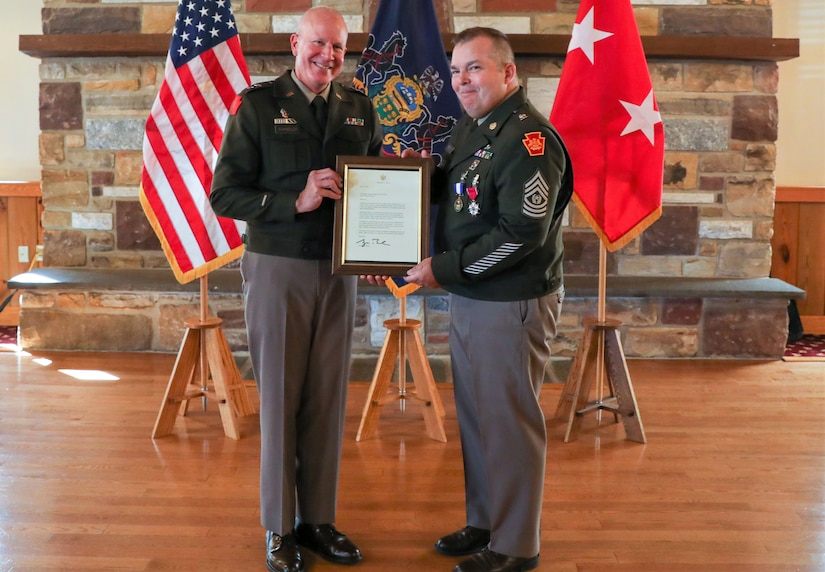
{"x":405,"y":72}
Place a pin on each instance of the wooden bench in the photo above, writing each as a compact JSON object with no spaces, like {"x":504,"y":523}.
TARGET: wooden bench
{"x":578,"y":286}
{"x":730,"y":317}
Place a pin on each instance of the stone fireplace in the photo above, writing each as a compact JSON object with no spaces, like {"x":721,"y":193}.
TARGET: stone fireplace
{"x":695,"y":284}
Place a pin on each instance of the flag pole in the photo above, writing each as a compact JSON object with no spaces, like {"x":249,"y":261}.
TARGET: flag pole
{"x":204,"y":313}
{"x":601,"y":317}
{"x":402,"y":358}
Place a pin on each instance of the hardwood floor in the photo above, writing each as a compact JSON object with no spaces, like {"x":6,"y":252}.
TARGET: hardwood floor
{"x":732,"y":477}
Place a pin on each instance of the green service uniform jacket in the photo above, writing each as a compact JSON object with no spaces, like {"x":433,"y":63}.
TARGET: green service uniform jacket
{"x":501,"y":190}
{"x":270,"y":144}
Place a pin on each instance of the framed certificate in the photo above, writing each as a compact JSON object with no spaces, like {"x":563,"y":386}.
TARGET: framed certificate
{"x":382,"y":221}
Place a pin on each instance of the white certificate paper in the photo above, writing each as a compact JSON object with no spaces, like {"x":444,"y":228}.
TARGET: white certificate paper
{"x":382,"y":210}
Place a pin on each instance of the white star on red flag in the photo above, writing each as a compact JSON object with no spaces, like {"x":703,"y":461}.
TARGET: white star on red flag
{"x":585,"y":35}
{"x":642,"y":117}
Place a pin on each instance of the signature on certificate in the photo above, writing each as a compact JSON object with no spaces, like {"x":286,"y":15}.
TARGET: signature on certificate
{"x":365,"y":242}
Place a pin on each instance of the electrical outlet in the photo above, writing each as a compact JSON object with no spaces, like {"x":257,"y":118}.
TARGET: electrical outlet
{"x":22,"y":254}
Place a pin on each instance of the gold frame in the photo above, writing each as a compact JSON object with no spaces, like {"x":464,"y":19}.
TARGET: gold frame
{"x":343,"y":261}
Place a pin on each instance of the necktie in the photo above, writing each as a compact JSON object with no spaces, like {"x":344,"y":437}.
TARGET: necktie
{"x":319,"y":107}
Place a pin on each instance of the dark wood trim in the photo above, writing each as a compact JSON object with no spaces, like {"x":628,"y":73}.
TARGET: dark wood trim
{"x":259,"y":44}
{"x":800,"y":194}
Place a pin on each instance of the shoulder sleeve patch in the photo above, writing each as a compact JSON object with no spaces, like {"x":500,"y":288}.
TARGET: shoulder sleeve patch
{"x":534,"y":143}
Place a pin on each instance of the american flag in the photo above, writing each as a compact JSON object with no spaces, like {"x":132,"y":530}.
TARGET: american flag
{"x":205,"y":69}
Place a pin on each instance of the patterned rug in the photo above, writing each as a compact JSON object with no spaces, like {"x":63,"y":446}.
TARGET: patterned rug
{"x":8,"y":334}
{"x":808,"y":348}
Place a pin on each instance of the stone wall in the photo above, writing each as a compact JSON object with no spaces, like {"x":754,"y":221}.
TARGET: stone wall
{"x":720,"y":120}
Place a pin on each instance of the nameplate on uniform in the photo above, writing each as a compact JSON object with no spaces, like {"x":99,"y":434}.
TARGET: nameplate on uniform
{"x":286,"y":126}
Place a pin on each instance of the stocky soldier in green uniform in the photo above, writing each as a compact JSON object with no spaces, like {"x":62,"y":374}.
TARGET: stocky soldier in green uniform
{"x":276,"y":172}
{"x":504,"y":183}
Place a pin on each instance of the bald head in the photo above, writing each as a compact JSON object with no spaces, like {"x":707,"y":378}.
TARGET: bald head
{"x":318,"y":14}
{"x":319,"y":46}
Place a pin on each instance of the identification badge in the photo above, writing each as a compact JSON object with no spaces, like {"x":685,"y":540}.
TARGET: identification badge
{"x":286,"y":129}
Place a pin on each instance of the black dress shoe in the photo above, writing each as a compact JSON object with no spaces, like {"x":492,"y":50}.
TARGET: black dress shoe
{"x":282,"y":554}
{"x":468,"y":540}
{"x":327,"y":542}
{"x":489,"y":561}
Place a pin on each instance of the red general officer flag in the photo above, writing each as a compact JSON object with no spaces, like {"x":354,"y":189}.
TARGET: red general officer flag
{"x":607,"y":115}
{"x":205,"y":69}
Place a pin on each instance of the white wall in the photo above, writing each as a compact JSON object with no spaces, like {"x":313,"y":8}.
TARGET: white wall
{"x":19,"y":116}
{"x":800,"y":158}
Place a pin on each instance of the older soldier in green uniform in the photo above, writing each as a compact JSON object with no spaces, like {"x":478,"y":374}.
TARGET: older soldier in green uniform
{"x":505,"y":181}
{"x":276,"y":172}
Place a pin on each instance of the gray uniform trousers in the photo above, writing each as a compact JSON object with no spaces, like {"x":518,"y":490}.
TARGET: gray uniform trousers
{"x":299,"y":321}
{"x":499,"y":351}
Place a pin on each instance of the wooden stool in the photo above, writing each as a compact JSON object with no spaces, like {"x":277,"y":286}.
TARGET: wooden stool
{"x":600,"y":348}
{"x":204,"y":350}
{"x":403,"y":341}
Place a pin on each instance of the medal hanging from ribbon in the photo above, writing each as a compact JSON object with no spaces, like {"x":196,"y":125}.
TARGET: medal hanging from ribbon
{"x":458,"y":205}
{"x":472,"y":193}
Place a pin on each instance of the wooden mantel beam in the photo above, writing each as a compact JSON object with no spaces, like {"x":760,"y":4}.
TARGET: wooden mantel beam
{"x":263,"y":44}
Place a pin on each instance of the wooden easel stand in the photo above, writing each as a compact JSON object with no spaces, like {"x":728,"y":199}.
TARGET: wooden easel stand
{"x":600,"y":348}
{"x":403,"y":344}
{"x":600,"y":355}
{"x":204,"y":350}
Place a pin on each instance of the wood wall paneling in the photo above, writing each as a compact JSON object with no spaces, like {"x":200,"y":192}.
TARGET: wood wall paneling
{"x":783,"y":244}
{"x":798,"y":242}
{"x":811,"y":260}
{"x":20,"y":209}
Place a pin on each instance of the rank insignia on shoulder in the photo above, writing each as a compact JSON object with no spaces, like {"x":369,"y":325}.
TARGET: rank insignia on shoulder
{"x":357,"y":121}
{"x":233,"y":109}
{"x":522,"y":116}
{"x":534,"y":143}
